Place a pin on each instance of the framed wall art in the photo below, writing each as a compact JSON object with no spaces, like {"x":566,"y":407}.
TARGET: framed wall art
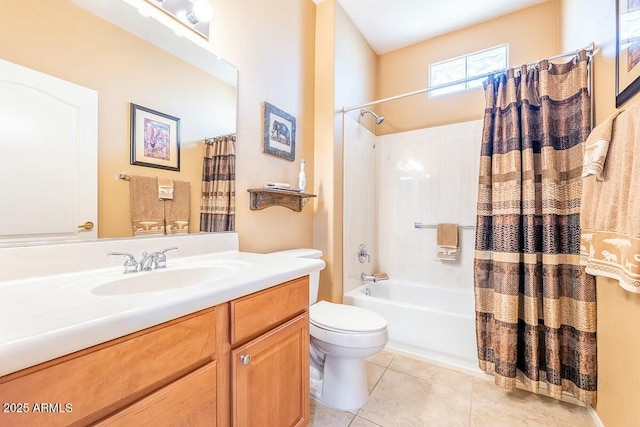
{"x":627,"y":50}
{"x":279,"y":132}
{"x":155,"y":139}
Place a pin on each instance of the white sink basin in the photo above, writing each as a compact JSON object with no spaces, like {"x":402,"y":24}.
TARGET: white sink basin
{"x":173,"y":277}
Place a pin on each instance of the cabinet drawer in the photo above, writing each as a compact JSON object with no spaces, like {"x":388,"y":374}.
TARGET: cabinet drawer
{"x":104,"y":378}
{"x":261,"y":311}
{"x":189,"y":401}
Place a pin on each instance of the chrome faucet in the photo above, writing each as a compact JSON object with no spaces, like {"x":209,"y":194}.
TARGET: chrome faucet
{"x":148,"y":262}
{"x":156,"y":260}
{"x":130,"y":263}
{"x":367,"y":277}
{"x":373,"y":277}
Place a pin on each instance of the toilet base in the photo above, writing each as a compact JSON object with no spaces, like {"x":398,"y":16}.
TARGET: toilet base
{"x":344,"y":384}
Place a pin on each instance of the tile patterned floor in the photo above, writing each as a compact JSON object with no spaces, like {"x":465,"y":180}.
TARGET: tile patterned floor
{"x":404,"y":392}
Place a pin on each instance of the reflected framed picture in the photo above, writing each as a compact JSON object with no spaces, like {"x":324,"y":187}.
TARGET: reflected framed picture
{"x":279,"y":132}
{"x":627,"y":50}
{"x":155,"y":139}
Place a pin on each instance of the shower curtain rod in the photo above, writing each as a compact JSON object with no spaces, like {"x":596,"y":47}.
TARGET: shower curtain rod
{"x":590,"y":49}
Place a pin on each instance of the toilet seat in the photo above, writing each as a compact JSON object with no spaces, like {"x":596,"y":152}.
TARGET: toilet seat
{"x":346,"y":326}
{"x":345,"y":319}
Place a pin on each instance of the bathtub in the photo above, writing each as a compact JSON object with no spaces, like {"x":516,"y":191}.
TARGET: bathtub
{"x":430,"y":322}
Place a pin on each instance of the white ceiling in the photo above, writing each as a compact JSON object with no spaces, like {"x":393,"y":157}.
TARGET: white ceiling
{"x":391,"y":24}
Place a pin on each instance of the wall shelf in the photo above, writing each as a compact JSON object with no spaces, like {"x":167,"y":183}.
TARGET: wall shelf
{"x":262,"y":198}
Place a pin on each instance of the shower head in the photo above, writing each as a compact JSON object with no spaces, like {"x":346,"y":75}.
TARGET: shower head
{"x":379,"y":119}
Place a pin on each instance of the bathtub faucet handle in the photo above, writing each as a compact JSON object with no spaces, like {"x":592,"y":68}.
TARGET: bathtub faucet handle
{"x":362,"y":254}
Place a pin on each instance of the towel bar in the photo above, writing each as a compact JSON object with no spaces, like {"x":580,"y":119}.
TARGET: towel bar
{"x":124,"y":176}
{"x":421,"y":225}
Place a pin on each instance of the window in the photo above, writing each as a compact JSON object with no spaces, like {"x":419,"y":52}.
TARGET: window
{"x":474,"y":64}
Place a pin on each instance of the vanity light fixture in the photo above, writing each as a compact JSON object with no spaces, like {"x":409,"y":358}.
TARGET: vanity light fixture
{"x":193,"y":14}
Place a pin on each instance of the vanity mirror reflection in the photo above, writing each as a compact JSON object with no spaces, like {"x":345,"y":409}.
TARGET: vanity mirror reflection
{"x":124,"y":57}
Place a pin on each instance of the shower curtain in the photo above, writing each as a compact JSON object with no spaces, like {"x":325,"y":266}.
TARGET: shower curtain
{"x":535,"y":305}
{"x":218,"y":206}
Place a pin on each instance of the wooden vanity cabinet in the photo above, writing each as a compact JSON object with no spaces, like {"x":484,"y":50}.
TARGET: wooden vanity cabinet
{"x":270,"y":357}
{"x":185,"y":372}
{"x":83,"y":387}
{"x":270,"y":377}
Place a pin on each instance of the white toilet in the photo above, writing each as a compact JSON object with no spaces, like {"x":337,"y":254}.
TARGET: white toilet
{"x":342,"y":336}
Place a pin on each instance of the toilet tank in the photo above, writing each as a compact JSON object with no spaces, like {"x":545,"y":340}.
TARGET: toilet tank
{"x":314,"y":277}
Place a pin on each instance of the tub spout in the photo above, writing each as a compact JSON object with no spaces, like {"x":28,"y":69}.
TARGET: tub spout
{"x":373,"y":277}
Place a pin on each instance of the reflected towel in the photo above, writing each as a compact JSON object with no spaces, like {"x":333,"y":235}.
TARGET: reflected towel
{"x":447,"y":241}
{"x":147,"y":212}
{"x":165,"y":188}
{"x":609,"y":220}
{"x":177,"y":211}
{"x":597,"y":147}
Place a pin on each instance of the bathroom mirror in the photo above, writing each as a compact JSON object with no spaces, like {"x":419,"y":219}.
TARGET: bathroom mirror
{"x":127,"y":58}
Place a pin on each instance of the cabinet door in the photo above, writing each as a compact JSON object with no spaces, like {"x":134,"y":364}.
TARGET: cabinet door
{"x":270,"y":377}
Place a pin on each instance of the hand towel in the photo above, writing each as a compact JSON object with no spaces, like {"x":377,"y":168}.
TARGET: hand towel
{"x":447,"y":241}
{"x":609,"y":219}
{"x":597,"y":147}
{"x":147,"y":212}
{"x":165,"y":188}
{"x":177,"y":210}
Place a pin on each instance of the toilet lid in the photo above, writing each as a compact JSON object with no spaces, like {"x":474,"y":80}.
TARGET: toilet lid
{"x":345,"y":318}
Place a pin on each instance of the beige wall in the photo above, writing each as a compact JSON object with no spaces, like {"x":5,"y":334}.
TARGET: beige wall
{"x":272,"y":44}
{"x":63,"y":40}
{"x":346,"y":71}
{"x":618,"y":310}
{"x":407,"y":70}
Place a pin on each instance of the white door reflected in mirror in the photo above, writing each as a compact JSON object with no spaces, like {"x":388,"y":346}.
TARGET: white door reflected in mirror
{"x":49,"y":140}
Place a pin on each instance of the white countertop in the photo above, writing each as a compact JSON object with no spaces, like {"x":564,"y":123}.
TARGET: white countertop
{"x":44,"y":317}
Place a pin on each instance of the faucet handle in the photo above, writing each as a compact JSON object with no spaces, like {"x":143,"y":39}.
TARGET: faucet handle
{"x":130,"y":263}
{"x":161,"y":257}
{"x":363,"y":254}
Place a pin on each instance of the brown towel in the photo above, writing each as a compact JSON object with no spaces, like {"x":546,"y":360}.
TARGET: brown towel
{"x":177,"y":210}
{"x":147,"y":212}
{"x":447,"y":235}
{"x":609,"y":219}
{"x":447,"y":240}
{"x":165,"y":188}
{"x":597,"y":147}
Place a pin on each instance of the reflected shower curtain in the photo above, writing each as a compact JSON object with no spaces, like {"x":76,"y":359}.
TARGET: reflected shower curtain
{"x":218,"y":205}
{"x":535,"y":305}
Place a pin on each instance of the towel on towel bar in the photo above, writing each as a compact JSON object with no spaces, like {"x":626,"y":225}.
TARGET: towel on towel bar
{"x":597,"y":147}
{"x":176,"y":211}
{"x":165,"y":188}
{"x":147,"y":211}
{"x":609,"y":219}
{"x":447,"y":241}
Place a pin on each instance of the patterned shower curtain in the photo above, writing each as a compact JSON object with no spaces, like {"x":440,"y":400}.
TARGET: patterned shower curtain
{"x":218,"y":206}
{"x":535,"y":305}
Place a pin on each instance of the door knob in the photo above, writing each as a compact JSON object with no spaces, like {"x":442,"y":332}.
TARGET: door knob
{"x":245,"y":359}
{"x":87,"y":225}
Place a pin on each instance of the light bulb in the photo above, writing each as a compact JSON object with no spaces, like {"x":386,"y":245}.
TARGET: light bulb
{"x":202,"y":10}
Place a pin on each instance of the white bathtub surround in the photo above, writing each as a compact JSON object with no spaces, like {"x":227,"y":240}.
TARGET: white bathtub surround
{"x":435,"y":323}
{"x":428,"y":176}
{"x":48,"y":309}
{"x":360,"y":209}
